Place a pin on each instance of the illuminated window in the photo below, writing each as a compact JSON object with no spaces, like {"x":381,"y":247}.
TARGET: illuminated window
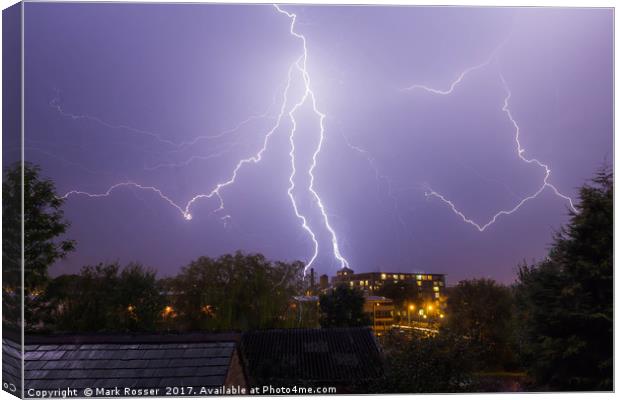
{"x":361,"y":283}
{"x":436,"y":295}
{"x":419,"y":283}
{"x":383,"y":276}
{"x":395,"y":276}
{"x":366,"y":283}
{"x":351,"y":283}
{"x":418,"y":277}
{"x":436,"y":288}
{"x":402,"y":277}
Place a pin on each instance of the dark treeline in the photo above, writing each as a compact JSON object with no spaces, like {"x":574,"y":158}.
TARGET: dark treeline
{"x":232,"y":292}
{"x":552,"y":329}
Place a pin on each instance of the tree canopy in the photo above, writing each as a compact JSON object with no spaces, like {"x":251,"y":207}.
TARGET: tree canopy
{"x":105,"y":297}
{"x":44,"y":225}
{"x":565,"y":302}
{"x":342,"y":307}
{"x":238,"y":292}
{"x":481,"y":310}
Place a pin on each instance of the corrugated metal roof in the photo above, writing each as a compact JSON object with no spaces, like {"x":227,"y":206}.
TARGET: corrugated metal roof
{"x":295,"y":356}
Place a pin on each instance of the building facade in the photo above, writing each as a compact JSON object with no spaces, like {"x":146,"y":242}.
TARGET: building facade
{"x":430,"y":287}
{"x":381,"y":312}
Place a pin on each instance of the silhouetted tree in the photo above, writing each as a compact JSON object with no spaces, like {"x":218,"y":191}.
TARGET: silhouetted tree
{"x":342,"y":307}
{"x":400,"y":293}
{"x":44,"y":224}
{"x":481,"y":311}
{"x":105,"y":298}
{"x":238,"y":292}
{"x":565,"y":302}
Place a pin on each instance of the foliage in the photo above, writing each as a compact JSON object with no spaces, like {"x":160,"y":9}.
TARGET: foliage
{"x":400,"y":293}
{"x":425,"y":364}
{"x":44,"y":223}
{"x":234,"y":292}
{"x":342,"y":307}
{"x":105,"y":298}
{"x":481,"y":311}
{"x":565,"y":303}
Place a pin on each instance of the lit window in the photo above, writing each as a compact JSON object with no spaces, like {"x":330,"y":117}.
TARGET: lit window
{"x":351,"y":283}
{"x":402,"y":277}
{"x":436,"y":288}
{"x":383,"y":276}
{"x":418,"y":277}
{"x":366,"y":283}
{"x":436,"y":295}
{"x":361,"y":283}
{"x":395,"y":276}
{"x":419,"y":283}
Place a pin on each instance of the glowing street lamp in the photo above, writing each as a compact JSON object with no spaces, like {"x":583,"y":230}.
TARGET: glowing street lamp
{"x":409,"y":310}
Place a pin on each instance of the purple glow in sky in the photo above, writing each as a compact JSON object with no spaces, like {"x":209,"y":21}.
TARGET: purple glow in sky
{"x":385,"y":138}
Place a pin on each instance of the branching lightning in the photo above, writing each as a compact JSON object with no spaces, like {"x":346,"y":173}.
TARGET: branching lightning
{"x":301,"y":64}
{"x":308,"y":95}
{"x":520,"y":153}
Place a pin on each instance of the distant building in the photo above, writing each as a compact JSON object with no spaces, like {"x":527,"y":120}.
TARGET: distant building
{"x":381,"y":312}
{"x":427,"y":286}
{"x":323,"y":282}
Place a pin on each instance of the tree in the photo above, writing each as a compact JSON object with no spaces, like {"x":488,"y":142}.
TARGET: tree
{"x":400,"y":293}
{"x":565,"y":302}
{"x":481,"y":311}
{"x":44,"y":224}
{"x":234,"y":292}
{"x":105,"y":298}
{"x":342,"y":307}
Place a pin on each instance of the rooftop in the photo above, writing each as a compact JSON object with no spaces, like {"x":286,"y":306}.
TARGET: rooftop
{"x":109,"y":361}
{"x":337,"y":356}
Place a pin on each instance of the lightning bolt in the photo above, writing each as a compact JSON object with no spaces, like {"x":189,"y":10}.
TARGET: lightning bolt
{"x":300,"y":65}
{"x":215,"y":193}
{"x":520,"y":153}
{"x":129,"y":184}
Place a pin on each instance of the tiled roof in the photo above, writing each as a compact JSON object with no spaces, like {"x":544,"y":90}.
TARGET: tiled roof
{"x":337,"y":356}
{"x":11,"y":364}
{"x":149,"y":361}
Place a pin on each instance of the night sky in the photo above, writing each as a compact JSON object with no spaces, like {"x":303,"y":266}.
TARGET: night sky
{"x":120,"y":92}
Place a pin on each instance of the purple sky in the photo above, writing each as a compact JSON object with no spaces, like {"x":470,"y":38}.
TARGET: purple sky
{"x":109,"y":86}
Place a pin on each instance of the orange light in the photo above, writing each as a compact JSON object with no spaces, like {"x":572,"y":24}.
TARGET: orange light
{"x":411,"y":307}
